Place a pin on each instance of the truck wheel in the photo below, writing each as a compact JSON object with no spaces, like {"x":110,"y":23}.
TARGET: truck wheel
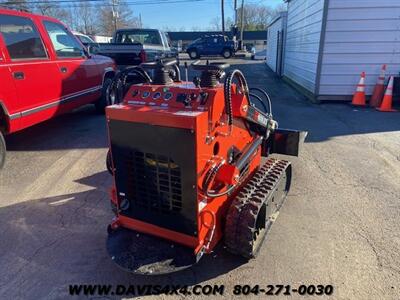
{"x":193,"y":54}
{"x":227,"y":53}
{"x":2,"y":151}
{"x":106,"y":98}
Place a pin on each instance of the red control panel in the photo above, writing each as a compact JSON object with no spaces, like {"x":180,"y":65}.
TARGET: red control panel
{"x":179,"y":96}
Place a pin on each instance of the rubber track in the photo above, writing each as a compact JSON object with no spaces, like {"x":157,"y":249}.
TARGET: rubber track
{"x":242,"y":215}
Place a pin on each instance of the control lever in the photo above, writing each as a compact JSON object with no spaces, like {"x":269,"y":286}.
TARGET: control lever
{"x":158,"y":63}
{"x":162,"y":74}
{"x":203,"y":98}
{"x":185,"y":99}
{"x":186,"y":73}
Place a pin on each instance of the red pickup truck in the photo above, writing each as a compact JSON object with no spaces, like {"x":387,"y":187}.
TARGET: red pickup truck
{"x":44,"y":71}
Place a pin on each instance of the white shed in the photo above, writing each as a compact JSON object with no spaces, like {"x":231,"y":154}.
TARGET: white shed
{"x":275,"y":45}
{"x":330,"y":42}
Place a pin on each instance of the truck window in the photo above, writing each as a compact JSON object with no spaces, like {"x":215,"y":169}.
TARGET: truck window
{"x":64,"y":43}
{"x":84,"y":39}
{"x":138,"y":36}
{"x":168,"y":39}
{"x":21,"y":38}
{"x":165,"y":39}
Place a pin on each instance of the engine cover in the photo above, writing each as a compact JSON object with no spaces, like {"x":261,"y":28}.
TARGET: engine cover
{"x":166,"y":144}
{"x":155,"y":175}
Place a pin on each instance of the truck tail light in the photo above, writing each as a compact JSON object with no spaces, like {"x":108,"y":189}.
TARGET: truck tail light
{"x":143,"y":55}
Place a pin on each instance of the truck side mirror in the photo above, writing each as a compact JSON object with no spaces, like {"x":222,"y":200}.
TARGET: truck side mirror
{"x":92,"y":49}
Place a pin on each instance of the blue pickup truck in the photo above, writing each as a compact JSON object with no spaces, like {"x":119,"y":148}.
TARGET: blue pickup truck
{"x":211,"y":45}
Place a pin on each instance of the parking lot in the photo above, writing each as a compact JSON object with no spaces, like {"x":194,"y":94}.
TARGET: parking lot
{"x":339,"y":226}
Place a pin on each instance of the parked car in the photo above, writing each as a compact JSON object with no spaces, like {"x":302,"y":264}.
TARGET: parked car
{"x":211,"y":45}
{"x":134,"y":46}
{"x":258,"y":55}
{"x":248,"y":46}
{"x":45,"y":71}
{"x":85,"y":39}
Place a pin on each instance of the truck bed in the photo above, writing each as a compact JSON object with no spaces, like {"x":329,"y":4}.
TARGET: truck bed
{"x":129,"y":54}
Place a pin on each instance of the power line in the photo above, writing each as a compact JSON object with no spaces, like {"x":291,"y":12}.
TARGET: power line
{"x":151,"y":2}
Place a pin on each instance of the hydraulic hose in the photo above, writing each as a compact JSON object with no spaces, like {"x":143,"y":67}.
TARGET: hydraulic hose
{"x":119,"y":83}
{"x":228,"y":92}
{"x":177,"y":73}
{"x":259,"y":100}
{"x":210,"y":228}
{"x":235,"y":74}
{"x":211,"y":174}
{"x":266,"y":96}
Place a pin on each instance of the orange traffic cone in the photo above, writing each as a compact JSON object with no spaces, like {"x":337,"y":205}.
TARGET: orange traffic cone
{"x":359,"y":95}
{"x":387,"y":99}
{"x":379,"y":89}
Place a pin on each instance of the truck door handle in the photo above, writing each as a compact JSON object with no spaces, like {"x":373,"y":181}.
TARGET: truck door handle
{"x":63,"y":70}
{"x":19,"y":75}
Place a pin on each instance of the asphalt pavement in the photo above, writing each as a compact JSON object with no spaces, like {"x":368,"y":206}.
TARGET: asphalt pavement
{"x":340,"y":225}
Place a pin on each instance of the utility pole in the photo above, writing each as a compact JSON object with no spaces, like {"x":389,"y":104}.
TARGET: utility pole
{"x":223,"y":16}
{"x":140,"y":21}
{"x":241,"y":25}
{"x":115,"y":13}
{"x":235,"y":8}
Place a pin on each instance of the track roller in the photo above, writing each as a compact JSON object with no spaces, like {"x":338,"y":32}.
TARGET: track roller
{"x":256,"y":207}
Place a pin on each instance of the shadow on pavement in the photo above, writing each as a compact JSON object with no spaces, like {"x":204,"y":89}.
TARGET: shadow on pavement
{"x":57,"y":241}
{"x":83,"y":128}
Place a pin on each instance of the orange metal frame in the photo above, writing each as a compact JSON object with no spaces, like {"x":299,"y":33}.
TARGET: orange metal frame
{"x":213,"y":140}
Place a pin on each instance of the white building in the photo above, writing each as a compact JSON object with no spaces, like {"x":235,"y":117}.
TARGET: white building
{"x":330,"y":42}
{"x":276,"y":43}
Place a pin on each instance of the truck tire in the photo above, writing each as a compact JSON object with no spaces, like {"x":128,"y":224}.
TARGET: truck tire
{"x":227,"y":53}
{"x":2,"y":151}
{"x":106,"y":98}
{"x":193,"y":54}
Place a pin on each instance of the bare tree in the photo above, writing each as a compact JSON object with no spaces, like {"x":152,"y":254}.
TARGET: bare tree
{"x":280,"y":8}
{"x":122,"y":18}
{"x":52,"y":9}
{"x":215,"y":24}
{"x":257,"y":17}
{"x":168,"y":28}
{"x":87,"y":24}
{"x":229,"y":22}
{"x":195,"y":28}
{"x":73,"y":19}
{"x":16,"y":4}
